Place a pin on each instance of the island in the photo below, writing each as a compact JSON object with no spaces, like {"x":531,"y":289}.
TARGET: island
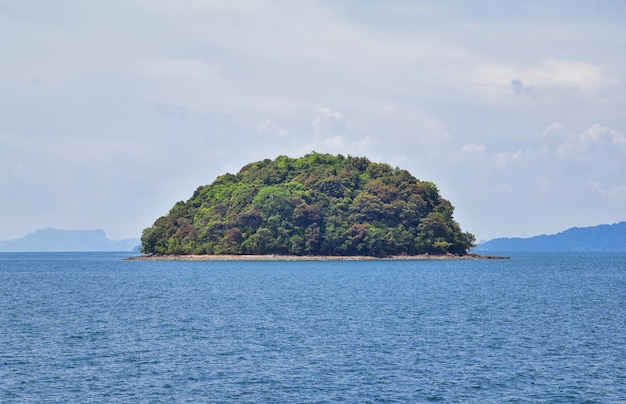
{"x":312,"y":207}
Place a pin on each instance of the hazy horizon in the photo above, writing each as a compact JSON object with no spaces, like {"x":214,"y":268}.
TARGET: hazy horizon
{"x":112,"y":112}
{"x":54,"y":229}
{"x":138,"y":237}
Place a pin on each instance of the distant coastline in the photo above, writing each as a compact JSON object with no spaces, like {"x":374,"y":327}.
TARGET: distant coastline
{"x":57,"y":240}
{"x":275,"y":257}
{"x":604,"y":237}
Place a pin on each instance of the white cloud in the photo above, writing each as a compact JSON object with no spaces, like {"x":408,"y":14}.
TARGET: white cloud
{"x":583,"y":173}
{"x":491,"y":79}
{"x":477,"y":155}
{"x":269,"y":127}
{"x":505,"y":159}
{"x":594,"y":144}
{"x":329,"y":122}
{"x":554,"y":127}
{"x":473,"y":148}
{"x":568,"y":73}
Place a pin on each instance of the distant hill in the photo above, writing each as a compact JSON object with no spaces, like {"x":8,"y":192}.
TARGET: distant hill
{"x":48,"y":240}
{"x":605,"y":237}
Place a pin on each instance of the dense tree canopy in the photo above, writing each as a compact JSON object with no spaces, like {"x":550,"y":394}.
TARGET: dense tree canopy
{"x":319,"y":204}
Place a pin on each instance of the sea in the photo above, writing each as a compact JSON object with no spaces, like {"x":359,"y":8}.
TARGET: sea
{"x":93,"y":327}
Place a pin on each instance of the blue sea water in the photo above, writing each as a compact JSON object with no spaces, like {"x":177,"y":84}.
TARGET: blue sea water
{"x":91,"y":327}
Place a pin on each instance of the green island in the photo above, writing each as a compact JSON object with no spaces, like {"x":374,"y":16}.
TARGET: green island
{"x":313,"y":206}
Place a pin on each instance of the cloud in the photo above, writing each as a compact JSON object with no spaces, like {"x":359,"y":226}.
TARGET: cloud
{"x":600,"y":147}
{"x":503,"y":160}
{"x":488,"y":79}
{"x":593,"y":158}
{"x":269,"y":127}
{"x":473,"y":148}
{"x":329,"y":122}
{"x":554,"y":127}
{"x":477,"y":155}
{"x":522,"y":89}
{"x":568,"y":73}
{"x":542,"y":183}
{"x":598,"y":143}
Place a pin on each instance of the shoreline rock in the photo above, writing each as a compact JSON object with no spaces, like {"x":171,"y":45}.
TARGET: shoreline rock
{"x":275,"y":257}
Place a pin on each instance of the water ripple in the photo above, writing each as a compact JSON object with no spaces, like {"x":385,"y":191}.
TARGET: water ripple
{"x":93,"y":328}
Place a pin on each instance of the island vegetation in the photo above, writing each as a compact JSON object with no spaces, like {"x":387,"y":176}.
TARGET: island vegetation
{"x":316,"y":205}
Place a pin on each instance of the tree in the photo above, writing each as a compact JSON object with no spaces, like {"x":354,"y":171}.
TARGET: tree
{"x":316,"y":204}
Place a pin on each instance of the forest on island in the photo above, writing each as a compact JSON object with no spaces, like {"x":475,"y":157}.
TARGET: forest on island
{"x":319,"y":204}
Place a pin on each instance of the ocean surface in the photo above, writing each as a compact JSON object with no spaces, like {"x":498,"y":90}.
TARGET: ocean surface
{"x":91,"y":327}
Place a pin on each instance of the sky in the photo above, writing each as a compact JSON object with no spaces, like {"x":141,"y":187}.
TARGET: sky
{"x":110,"y":112}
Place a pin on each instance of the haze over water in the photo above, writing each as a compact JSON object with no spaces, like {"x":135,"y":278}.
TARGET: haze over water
{"x":80,"y":327}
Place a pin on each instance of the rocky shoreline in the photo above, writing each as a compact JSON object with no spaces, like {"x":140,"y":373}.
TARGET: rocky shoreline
{"x":273,"y":257}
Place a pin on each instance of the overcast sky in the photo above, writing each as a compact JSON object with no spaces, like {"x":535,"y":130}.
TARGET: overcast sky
{"x":111,"y":111}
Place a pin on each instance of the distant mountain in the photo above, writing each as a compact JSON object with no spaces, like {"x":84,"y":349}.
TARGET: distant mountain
{"x":47,"y":240}
{"x":605,"y":237}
